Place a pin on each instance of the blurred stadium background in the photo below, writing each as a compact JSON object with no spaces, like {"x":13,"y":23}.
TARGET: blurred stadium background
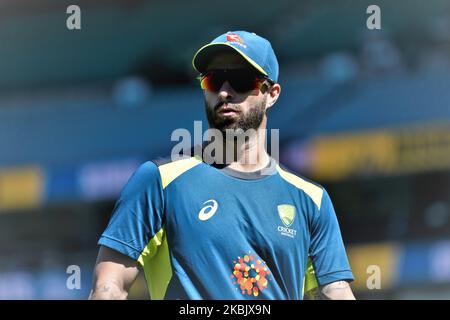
{"x":364,"y":113}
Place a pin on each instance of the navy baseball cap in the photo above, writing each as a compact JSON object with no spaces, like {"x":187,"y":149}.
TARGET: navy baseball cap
{"x":256,"y":50}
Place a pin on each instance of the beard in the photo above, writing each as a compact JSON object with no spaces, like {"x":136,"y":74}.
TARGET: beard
{"x":243,"y":120}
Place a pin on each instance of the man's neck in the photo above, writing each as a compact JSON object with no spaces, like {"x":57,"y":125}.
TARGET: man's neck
{"x":249,"y":155}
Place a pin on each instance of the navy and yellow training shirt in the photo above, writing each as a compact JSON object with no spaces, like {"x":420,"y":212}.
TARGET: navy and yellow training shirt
{"x":201,"y":232}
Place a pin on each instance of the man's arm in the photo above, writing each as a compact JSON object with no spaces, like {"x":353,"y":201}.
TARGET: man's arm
{"x":339,"y":290}
{"x":114,"y":274}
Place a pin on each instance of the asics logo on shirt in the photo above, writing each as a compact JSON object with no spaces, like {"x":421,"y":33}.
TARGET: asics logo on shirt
{"x":208,"y":211}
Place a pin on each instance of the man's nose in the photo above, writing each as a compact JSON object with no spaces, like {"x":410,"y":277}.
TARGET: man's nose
{"x":226,"y":92}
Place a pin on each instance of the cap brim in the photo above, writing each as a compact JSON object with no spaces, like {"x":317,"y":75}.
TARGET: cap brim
{"x":205,"y":53}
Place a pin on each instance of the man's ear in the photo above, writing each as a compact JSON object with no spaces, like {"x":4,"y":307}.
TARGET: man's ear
{"x":273,"y":94}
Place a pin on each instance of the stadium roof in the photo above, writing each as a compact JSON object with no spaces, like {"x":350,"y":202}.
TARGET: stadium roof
{"x":159,"y":38}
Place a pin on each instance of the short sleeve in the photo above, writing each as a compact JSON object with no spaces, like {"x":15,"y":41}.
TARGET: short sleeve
{"x":327,"y":249}
{"x":138,"y":213}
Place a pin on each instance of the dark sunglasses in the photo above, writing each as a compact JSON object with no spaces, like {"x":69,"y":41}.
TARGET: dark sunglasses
{"x":241,"y":80}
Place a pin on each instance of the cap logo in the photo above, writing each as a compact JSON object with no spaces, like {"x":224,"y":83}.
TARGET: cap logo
{"x":233,"y":37}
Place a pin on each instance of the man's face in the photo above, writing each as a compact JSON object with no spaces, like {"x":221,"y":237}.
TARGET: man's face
{"x":229,"y":109}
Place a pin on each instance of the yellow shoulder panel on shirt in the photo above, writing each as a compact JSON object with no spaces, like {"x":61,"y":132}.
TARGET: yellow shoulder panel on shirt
{"x":313,"y":191}
{"x":173,"y":170}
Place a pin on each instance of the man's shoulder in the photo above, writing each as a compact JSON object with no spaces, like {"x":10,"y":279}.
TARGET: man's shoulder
{"x":170,"y":168}
{"x":311,"y":188}
{"x":193,"y":154}
{"x":160,"y":161}
{"x":169,"y":161}
{"x":297,"y":176}
{"x":161,"y":171}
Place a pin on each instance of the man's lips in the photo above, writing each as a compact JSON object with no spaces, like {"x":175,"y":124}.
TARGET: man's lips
{"x":227,"y":110}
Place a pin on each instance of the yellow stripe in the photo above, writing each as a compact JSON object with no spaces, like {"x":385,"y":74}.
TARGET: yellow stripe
{"x":155,"y":261}
{"x":313,"y":191}
{"x":310,"y":280}
{"x":251,"y":61}
{"x":155,"y":258}
{"x":173,"y":170}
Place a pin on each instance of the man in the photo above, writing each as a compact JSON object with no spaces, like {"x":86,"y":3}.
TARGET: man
{"x":237,"y":230}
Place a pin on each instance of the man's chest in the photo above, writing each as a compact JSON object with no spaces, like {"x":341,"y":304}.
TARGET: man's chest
{"x":261,"y":217}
